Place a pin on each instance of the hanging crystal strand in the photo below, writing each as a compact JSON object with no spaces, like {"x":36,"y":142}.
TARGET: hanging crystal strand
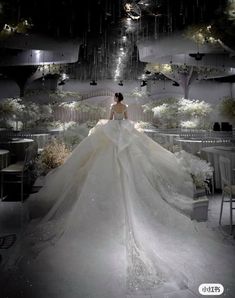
{"x":95,"y":64}
{"x":182,"y":12}
{"x":106,"y":9}
{"x":186,"y":13}
{"x":147,"y":32}
{"x":18,"y":10}
{"x":194,"y":13}
{"x":170,"y":20}
{"x":155,"y":27}
{"x":114,"y":13}
{"x":168,"y":17}
{"x":100,"y":24}
{"x":88,"y":19}
{"x":119,"y":8}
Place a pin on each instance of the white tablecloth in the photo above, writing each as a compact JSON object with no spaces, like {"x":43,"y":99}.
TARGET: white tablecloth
{"x":17,"y":147}
{"x":168,"y":138}
{"x":212,"y":154}
{"x":192,"y":146}
{"x":152,"y":133}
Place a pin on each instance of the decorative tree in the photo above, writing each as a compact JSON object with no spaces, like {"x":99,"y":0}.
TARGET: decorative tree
{"x":227,"y":109}
{"x":183,"y":74}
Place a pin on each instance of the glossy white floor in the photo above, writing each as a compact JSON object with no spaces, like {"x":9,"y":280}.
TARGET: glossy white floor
{"x":11,"y":218}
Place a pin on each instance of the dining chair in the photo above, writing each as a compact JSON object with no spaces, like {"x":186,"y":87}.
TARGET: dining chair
{"x":228,"y":189}
{"x":19,"y":170}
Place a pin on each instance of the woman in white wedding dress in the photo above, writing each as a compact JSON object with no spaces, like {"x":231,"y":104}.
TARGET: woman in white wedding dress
{"x":114,"y":222}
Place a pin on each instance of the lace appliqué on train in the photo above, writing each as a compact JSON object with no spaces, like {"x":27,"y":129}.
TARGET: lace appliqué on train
{"x":141,"y":273}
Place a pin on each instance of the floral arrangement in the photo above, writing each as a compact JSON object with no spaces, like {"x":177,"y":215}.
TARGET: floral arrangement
{"x":193,"y":108}
{"x":53,"y":155}
{"x":29,"y":114}
{"x":172,"y":70}
{"x":10,"y":109}
{"x":165,"y":112}
{"x":140,"y":125}
{"x":200,"y":170}
{"x":137,"y":92}
{"x":227,"y":108}
{"x":159,"y":68}
{"x":35,"y":115}
{"x":202,"y":34}
{"x":172,"y":112}
{"x":21,"y":28}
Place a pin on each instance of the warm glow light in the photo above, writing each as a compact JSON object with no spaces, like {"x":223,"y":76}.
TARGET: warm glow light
{"x":128,"y":7}
{"x":64,"y":76}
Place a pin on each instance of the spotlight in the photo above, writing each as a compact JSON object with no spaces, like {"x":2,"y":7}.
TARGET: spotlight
{"x":120,"y":83}
{"x":198,"y":56}
{"x":175,"y":84}
{"x":93,"y":83}
{"x":144,"y":83}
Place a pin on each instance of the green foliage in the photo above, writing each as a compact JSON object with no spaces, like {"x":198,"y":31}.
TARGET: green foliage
{"x":227,"y":108}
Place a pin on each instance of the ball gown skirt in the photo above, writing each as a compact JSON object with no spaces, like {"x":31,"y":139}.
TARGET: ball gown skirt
{"x":114,"y":221}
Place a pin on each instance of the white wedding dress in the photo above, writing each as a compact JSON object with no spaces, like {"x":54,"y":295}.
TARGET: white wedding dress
{"x":114,"y":222}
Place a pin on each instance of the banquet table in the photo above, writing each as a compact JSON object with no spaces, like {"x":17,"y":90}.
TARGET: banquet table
{"x":190,"y":145}
{"x":168,"y":137}
{"x":16,"y":147}
{"x":152,"y":133}
{"x":4,"y":158}
{"x":212,"y":154}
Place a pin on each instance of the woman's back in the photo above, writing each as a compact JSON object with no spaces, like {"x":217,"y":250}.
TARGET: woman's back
{"x":118,"y":111}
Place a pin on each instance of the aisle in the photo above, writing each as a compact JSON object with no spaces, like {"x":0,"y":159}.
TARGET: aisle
{"x":10,"y":217}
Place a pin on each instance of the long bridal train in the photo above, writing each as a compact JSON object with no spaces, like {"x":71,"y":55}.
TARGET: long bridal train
{"x":113,"y":221}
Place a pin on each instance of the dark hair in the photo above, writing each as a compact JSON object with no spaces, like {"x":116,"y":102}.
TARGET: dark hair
{"x":119,"y":96}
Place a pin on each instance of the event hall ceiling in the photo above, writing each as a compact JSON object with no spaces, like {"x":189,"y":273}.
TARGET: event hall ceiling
{"x":109,"y":30}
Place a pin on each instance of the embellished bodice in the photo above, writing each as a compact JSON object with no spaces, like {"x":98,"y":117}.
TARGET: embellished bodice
{"x":118,"y":115}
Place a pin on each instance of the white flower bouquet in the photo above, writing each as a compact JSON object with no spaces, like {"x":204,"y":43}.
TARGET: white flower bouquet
{"x":200,"y":170}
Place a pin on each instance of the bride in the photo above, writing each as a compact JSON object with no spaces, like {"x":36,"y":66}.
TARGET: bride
{"x":114,"y":221}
